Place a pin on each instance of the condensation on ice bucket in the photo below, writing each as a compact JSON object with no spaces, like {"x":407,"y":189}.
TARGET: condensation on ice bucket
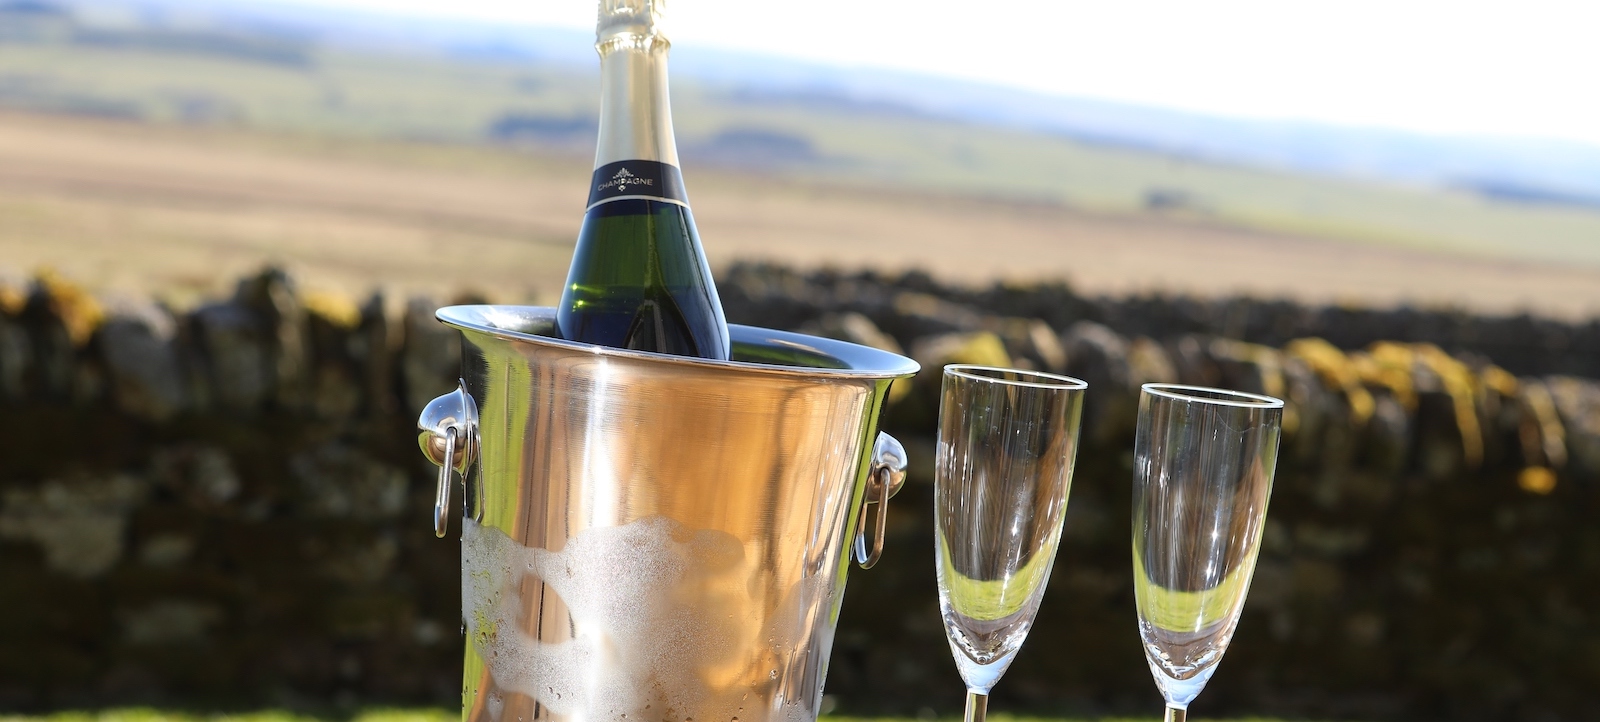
{"x":650,"y":537}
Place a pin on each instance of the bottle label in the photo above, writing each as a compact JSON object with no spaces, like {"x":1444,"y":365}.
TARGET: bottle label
{"x":646,"y":179}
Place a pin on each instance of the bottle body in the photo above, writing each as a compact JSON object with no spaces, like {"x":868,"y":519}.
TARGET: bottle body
{"x":639,"y":277}
{"x":639,"y":280}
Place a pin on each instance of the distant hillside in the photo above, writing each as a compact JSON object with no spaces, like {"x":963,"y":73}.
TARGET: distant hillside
{"x":1555,"y":169}
{"x":285,"y":68}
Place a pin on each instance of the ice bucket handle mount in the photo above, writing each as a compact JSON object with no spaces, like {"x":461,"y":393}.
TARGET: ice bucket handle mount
{"x":884,"y":479}
{"x":449,"y":427}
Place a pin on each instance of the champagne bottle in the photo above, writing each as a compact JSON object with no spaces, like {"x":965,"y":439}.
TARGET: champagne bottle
{"x":639,"y":278}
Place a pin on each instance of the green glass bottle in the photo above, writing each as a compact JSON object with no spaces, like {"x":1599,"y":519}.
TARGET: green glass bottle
{"x":639,"y":277}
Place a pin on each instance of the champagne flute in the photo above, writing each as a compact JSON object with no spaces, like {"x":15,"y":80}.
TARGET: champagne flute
{"x":1203,"y":465}
{"x":1007,"y":443}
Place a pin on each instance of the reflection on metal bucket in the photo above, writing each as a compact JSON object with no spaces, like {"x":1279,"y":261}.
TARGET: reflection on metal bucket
{"x":650,"y":537}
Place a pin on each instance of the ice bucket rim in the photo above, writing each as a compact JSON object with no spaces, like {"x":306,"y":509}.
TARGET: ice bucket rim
{"x":861,"y":362}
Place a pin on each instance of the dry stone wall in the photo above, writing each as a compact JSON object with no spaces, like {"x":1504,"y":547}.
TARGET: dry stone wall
{"x":226,"y":507}
{"x":1430,"y":550}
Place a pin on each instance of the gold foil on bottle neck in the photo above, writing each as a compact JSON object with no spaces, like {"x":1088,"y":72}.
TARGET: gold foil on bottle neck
{"x":630,"y":23}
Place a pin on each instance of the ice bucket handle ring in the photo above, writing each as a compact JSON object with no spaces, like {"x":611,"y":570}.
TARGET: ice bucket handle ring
{"x":449,"y":427}
{"x":884,"y":479}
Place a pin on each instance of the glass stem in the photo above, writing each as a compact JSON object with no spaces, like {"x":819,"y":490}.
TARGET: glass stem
{"x":1176,"y":715}
{"x":978,"y":706}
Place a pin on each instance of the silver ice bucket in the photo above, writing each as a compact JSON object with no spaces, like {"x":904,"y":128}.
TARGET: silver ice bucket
{"x":648,"y":537}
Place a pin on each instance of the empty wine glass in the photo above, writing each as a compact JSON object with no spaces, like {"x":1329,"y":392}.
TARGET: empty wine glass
{"x":1203,"y":465}
{"x":1007,"y":443}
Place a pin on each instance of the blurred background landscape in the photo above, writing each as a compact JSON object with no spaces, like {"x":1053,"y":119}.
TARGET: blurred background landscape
{"x":224,"y":225}
{"x":353,"y":147}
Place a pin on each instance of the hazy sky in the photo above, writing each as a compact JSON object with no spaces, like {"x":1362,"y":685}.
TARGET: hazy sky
{"x":1512,"y":67}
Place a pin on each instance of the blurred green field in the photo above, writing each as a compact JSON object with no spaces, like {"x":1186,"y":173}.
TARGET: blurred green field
{"x":437,"y":715}
{"x":433,"y":98}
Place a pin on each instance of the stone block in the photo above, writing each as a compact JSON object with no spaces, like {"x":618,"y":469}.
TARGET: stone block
{"x":1577,"y":401}
{"x":373,"y":346}
{"x":430,"y":361}
{"x":16,"y":359}
{"x":201,"y":475}
{"x":917,"y":315}
{"x":79,"y":523}
{"x":335,"y":356}
{"x":853,"y":327}
{"x":982,"y":348}
{"x":271,"y":298}
{"x":137,"y":342}
{"x":238,"y":373}
{"x":1031,"y":343}
{"x":338,"y":481}
{"x":1099,"y":356}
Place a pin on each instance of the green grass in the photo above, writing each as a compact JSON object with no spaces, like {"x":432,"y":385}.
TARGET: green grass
{"x":139,"y":714}
{"x":437,"y":715}
{"x":348,"y":94}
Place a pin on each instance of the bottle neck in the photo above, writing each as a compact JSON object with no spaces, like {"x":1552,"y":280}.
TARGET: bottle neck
{"x":635,"y":114}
